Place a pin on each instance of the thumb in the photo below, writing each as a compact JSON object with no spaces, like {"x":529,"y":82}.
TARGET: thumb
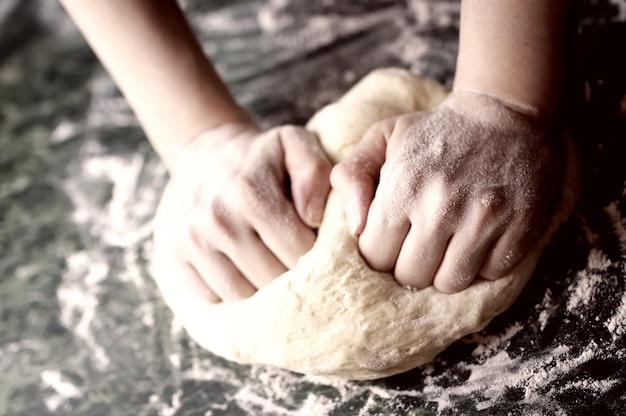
{"x":309,"y":172}
{"x":356,"y":177}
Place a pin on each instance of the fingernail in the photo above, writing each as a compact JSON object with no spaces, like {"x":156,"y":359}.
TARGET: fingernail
{"x":315,"y":211}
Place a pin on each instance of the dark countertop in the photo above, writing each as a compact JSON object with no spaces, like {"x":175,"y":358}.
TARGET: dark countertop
{"x":85,"y":332}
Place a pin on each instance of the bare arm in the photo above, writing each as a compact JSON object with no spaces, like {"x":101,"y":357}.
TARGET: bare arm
{"x":150,"y":51}
{"x":465,"y":189}
{"x":513,"y":50}
{"x":226,"y":224}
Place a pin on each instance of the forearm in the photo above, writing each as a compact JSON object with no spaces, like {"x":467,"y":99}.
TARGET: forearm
{"x":149,"y":50}
{"x":513,"y":49}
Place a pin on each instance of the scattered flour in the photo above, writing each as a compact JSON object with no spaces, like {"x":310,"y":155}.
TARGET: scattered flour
{"x":78,"y":299}
{"x":545,"y":307}
{"x":584,"y":288}
{"x":617,"y":324}
{"x":487,"y":344}
{"x":63,"y":388}
{"x":124,"y":223}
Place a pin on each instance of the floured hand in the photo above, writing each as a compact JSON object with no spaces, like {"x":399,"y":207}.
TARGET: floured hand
{"x":240,"y":209}
{"x":459,"y":191}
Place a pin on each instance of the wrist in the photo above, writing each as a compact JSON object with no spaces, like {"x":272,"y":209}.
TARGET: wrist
{"x":536,"y":102}
{"x":216,"y":134}
{"x":502,"y":55}
{"x":492,"y":110}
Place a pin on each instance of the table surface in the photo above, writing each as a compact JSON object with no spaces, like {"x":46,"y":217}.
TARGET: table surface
{"x":85,"y":332}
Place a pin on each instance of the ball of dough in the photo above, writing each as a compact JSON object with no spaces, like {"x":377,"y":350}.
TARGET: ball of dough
{"x":331,"y":314}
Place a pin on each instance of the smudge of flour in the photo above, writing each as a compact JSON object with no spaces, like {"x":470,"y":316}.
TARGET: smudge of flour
{"x":64,"y":389}
{"x":78,"y":299}
{"x":617,"y":324}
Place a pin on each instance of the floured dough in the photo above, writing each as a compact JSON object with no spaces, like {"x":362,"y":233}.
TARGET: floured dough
{"x":332,"y":315}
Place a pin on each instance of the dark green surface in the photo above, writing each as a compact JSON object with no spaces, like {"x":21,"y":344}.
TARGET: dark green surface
{"x":83,"y":330}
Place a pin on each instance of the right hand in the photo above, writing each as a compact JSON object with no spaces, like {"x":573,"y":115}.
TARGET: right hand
{"x":240,"y":209}
{"x":462,"y":190}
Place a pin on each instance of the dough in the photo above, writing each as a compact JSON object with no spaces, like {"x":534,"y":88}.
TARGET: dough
{"x":331,"y":315}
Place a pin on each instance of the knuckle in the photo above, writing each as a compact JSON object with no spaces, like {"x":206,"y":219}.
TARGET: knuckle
{"x":491,"y":203}
{"x":258,"y":197}
{"x":249,"y":189}
{"x":445,"y":215}
{"x":341,"y":172}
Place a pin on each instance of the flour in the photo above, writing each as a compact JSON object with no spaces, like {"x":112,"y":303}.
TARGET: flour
{"x":544,"y":307}
{"x":489,"y":369}
{"x":492,"y":375}
{"x":585,"y":287}
{"x":62,"y":386}
{"x":617,"y":324}
{"x":96,"y":351}
{"x":79,"y":301}
{"x":492,"y":343}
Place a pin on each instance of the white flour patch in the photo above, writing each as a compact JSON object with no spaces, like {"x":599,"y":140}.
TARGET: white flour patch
{"x":488,"y":344}
{"x":594,"y":386}
{"x":546,"y":306}
{"x":78,"y":299}
{"x":64,"y":389}
{"x":584,"y":288}
{"x":493,"y":378}
{"x":598,"y":260}
{"x":317,"y":406}
{"x":617,"y":324}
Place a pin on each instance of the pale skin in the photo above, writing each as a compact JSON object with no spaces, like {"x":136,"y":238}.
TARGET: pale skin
{"x":455,"y":193}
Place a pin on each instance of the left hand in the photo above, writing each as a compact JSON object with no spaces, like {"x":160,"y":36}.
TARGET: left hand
{"x":240,"y":208}
{"x":459,"y":191}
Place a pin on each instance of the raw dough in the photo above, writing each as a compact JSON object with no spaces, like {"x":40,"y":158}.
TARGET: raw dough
{"x":331,"y":315}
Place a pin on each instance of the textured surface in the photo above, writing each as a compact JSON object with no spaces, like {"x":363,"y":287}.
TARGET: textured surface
{"x":83,"y":330}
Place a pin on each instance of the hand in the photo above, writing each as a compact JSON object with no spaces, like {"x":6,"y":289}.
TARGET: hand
{"x":239,"y":210}
{"x":463,"y":190}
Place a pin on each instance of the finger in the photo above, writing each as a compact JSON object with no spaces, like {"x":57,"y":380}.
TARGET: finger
{"x":421,"y":255}
{"x":254,"y":260}
{"x":355,"y":177}
{"x":383,"y":235}
{"x":481,"y":224}
{"x":463,"y":258}
{"x":178,"y":281}
{"x":280,"y":229}
{"x":221,"y":275}
{"x":309,"y":172}
{"x":505,"y":254}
